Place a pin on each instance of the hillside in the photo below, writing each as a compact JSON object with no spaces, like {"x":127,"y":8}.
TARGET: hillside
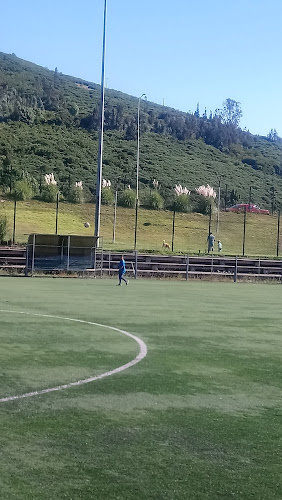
{"x":48,"y":123}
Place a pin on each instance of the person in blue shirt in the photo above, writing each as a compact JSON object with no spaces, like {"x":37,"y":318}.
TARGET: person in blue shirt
{"x":122,"y":271}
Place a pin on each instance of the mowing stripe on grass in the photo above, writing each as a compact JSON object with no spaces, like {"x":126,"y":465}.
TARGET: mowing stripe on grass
{"x":139,"y":357}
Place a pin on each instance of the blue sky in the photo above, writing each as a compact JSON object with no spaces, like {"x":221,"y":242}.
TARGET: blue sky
{"x":181,"y":51}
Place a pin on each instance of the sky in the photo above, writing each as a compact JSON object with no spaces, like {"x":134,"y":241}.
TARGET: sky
{"x":179,"y":52}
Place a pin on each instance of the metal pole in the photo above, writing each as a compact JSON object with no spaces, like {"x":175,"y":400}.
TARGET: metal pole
{"x":137,"y":169}
{"x":136,"y":264}
{"x":244,"y":232}
{"x":94,"y":258}
{"x":33,"y":255}
{"x":115,"y":218}
{"x":101,"y":134}
{"x":235,"y":269}
{"x":11,"y":170}
{"x":138,"y":149}
{"x":14,"y":227}
{"x":278,"y":234}
{"x":218,"y":208}
{"x":187,"y":267}
{"x":250,"y":197}
{"x":102,"y":262}
{"x":173,"y":230}
{"x":68,"y":261}
{"x":210,"y":218}
{"x":136,"y":223}
{"x":57,"y":213}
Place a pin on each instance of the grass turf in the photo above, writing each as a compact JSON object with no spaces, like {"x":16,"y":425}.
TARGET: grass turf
{"x":198,"y":418}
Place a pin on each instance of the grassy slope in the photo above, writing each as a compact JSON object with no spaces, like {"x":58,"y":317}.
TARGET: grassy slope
{"x":199,"y":418}
{"x":190,"y":229}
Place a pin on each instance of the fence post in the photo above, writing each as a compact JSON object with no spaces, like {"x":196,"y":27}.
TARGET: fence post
{"x":14,"y":227}
{"x":136,"y":263}
{"x":68,"y":261}
{"x":94,"y":258}
{"x":244,"y":231}
{"x":57,"y":212}
{"x":115,"y":218}
{"x":26,"y":261}
{"x":102,"y":262}
{"x":136,"y":224}
{"x":218,"y":208}
{"x":278,"y":234}
{"x":210,"y":218}
{"x":173,"y":229}
{"x":109,"y":263}
{"x":235,"y":269}
{"x":33,"y":255}
{"x":187,"y":267}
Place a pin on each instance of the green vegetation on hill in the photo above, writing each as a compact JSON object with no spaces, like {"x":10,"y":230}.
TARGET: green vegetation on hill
{"x":49,"y":122}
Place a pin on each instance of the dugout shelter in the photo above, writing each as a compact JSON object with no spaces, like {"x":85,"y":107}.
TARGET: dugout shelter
{"x":69,"y":252}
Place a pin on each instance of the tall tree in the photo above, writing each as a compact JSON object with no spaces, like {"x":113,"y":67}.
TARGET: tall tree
{"x":231,"y":112}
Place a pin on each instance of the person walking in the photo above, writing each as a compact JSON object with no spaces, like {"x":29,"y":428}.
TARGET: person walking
{"x":211,"y":240}
{"x":219,"y":244}
{"x":122,"y":271}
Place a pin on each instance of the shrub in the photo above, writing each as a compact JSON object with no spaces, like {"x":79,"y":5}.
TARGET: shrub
{"x":49,"y":193}
{"x":180,"y":203}
{"x":201,"y":204}
{"x":22,"y":191}
{"x":127,"y":198}
{"x":75,"y":195}
{"x":3,"y":226}
{"x":153,"y":200}
{"x":107,"y":196}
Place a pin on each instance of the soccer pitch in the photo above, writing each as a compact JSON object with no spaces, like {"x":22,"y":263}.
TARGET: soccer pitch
{"x":198,"y":417}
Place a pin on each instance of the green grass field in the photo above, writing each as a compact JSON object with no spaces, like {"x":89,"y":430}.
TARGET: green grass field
{"x":191,"y":229}
{"x":198,"y":418}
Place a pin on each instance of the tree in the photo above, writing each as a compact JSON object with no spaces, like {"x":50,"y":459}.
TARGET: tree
{"x":272,"y":135}
{"x":22,"y":191}
{"x":231,"y":112}
{"x":197,"y":112}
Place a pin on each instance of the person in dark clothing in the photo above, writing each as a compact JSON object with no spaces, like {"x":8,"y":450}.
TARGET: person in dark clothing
{"x":211,"y":240}
{"x":122,"y":271}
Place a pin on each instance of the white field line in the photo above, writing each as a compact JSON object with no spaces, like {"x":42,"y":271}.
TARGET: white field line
{"x":139,"y":357}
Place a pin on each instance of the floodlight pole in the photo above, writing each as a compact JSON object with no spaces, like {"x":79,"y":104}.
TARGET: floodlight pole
{"x":101,"y":135}
{"x":137,"y":169}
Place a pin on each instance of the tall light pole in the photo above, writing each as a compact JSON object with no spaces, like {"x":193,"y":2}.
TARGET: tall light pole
{"x":137,"y":168}
{"x":101,"y":134}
